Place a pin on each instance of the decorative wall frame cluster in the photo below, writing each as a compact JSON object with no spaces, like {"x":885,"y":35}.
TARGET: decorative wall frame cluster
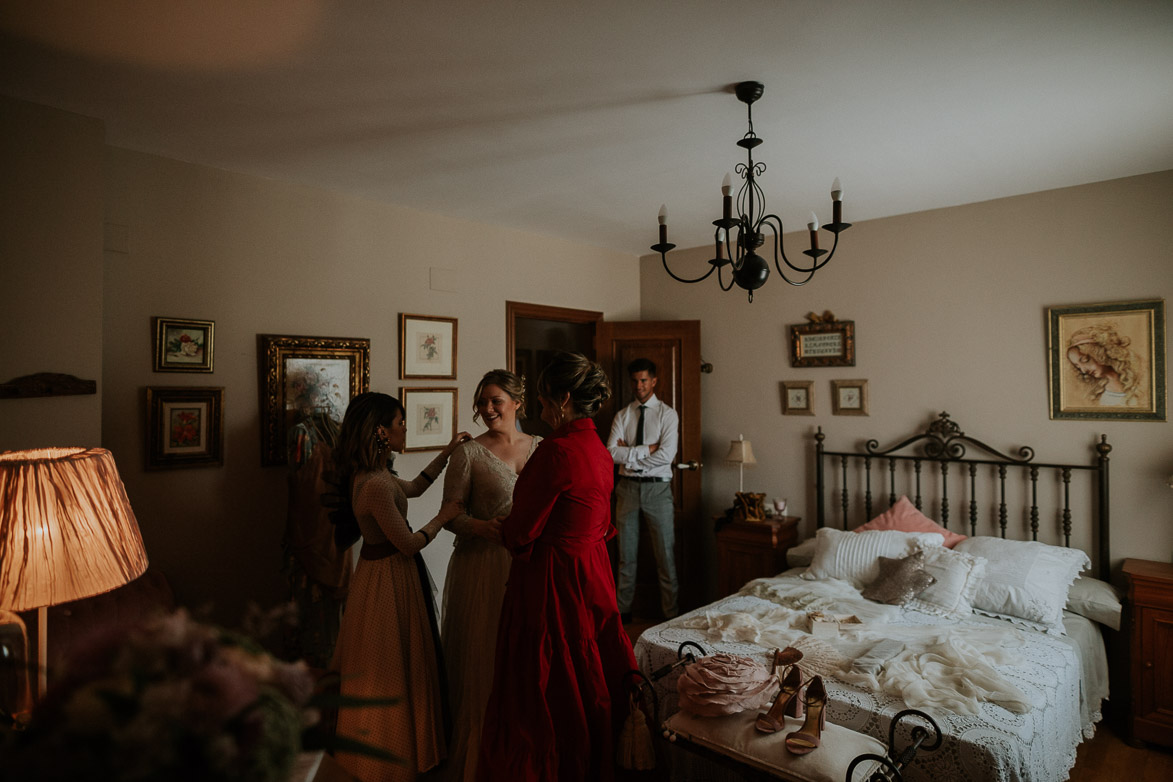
{"x":1107,"y":361}
{"x":302,"y":375}
{"x":183,"y":344}
{"x":185,"y":427}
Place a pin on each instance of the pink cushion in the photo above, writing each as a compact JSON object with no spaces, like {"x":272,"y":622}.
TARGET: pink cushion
{"x":905,"y":517}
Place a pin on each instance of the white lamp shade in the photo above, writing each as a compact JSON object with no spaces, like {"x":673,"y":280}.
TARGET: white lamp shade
{"x":741,"y":452}
{"x":66,"y":527}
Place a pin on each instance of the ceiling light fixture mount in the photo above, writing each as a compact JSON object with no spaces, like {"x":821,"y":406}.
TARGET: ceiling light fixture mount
{"x":748,"y":269}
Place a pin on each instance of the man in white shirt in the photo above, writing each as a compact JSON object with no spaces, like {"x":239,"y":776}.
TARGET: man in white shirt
{"x":643,"y":441}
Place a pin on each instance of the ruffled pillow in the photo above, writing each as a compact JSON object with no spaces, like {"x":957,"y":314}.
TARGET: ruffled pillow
{"x":904,"y":516}
{"x":1026,"y":581}
{"x":725,"y":684}
{"x":958,"y":576}
{"x":900,"y":580}
{"x":854,"y":556}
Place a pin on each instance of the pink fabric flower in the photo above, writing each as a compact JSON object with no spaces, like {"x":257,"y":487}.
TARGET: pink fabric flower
{"x":725,"y":684}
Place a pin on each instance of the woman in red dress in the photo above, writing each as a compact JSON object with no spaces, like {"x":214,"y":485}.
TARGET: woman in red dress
{"x":558,"y":696}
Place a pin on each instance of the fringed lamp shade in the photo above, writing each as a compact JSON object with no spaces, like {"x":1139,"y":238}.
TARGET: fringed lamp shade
{"x":66,"y":530}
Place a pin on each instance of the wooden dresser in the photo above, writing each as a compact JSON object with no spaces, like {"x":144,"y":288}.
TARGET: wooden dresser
{"x":1150,"y":601}
{"x":752,"y":549}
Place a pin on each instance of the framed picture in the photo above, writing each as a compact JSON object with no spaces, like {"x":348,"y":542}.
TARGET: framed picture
{"x":849,"y":397}
{"x":430,"y":417}
{"x":183,"y":345}
{"x":427,"y":347}
{"x":1107,"y":361}
{"x":823,"y":344}
{"x":185,"y":427}
{"x":303,"y":376}
{"x":798,"y":397}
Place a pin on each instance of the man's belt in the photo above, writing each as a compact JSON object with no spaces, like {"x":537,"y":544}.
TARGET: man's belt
{"x":640,"y":479}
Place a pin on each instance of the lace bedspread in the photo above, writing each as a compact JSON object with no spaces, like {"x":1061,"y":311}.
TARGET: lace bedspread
{"x":1013,"y":704}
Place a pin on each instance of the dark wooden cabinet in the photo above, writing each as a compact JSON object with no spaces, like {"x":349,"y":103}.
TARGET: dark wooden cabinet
{"x":752,"y":549}
{"x":1150,"y":600}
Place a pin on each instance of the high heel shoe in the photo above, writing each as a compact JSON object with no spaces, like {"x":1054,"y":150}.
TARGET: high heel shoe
{"x":787,"y":704}
{"x":809,"y":736}
{"x":784,"y":658}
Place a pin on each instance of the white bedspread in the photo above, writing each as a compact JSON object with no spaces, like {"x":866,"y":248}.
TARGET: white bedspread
{"x":1013,"y":704}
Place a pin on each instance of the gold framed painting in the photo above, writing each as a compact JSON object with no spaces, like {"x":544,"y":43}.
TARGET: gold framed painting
{"x":849,"y":397}
{"x":430,"y":417}
{"x":823,"y":344}
{"x":183,"y":345}
{"x":1107,"y":361}
{"x":184,"y":427}
{"x":304,"y":376}
{"x":427,"y":347}
{"x":798,"y":397}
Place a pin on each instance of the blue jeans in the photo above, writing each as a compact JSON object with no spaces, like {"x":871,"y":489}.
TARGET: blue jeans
{"x":655,"y":500}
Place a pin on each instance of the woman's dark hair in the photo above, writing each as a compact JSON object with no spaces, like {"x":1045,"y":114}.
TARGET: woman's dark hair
{"x":357,"y":450}
{"x":510,"y":383}
{"x":577,"y":375}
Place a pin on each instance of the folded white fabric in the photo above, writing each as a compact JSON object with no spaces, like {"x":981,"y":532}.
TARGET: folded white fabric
{"x":855,"y":556}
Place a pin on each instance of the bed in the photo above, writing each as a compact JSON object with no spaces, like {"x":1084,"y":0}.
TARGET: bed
{"x":1005,"y":650}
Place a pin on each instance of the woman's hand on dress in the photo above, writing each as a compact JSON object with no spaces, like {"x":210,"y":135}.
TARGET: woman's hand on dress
{"x":489,"y":530}
{"x":457,"y":440}
{"x":450,"y":510}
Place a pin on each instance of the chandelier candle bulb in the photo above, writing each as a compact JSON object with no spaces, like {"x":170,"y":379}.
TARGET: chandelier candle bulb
{"x":727,"y":198}
{"x":813,"y":226}
{"x":836,"y":202}
{"x":720,"y":244}
{"x":663,"y":219}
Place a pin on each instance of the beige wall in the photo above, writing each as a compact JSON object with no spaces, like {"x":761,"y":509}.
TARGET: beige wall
{"x":949,"y":309}
{"x":50,"y":270}
{"x":259,"y":256}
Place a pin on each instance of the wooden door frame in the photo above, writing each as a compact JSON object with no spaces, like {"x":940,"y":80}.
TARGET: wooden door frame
{"x":521,"y":309}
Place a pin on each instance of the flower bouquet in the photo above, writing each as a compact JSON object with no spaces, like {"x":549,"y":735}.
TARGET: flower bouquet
{"x":167,"y":699}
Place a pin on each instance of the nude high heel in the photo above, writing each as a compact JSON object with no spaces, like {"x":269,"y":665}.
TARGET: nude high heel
{"x":787,"y":704}
{"x":809,"y":736}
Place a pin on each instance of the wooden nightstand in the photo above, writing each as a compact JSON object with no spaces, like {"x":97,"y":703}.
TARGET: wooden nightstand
{"x":1150,"y":600}
{"x":752,"y":549}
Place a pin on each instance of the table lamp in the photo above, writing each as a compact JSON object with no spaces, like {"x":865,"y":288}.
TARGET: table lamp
{"x":66,"y":532}
{"x":741,"y":453}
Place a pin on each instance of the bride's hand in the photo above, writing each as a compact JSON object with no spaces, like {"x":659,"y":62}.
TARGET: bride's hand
{"x":490,"y":530}
{"x":450,"y":510}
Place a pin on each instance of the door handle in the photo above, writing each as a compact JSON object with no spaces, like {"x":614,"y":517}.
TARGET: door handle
{"x":690,"y":465}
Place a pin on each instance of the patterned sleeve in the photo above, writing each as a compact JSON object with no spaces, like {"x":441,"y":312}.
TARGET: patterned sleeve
{"x":420,"y":483}
{"x":458,"y":487}
{"x":376,"y":497}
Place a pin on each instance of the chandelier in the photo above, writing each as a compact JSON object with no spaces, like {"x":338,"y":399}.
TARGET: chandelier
{"x":748,"y":269}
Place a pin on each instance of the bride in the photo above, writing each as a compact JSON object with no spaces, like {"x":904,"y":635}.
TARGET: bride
{"x":481,"y":474}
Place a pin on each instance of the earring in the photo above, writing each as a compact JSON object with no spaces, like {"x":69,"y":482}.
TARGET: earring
{"x":382,"y":441}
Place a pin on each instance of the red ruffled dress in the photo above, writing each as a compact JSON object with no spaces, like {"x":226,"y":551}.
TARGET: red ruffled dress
{"x":558,"y":695}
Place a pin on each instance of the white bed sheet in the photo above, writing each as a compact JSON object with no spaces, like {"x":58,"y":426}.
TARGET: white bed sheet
{"x":1064,"y":679}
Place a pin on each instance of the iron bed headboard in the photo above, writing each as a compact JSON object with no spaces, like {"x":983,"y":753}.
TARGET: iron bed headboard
{"x":945,"y":444}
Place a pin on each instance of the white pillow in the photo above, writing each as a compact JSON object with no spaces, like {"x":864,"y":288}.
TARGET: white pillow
{"x":1026,"y":581}
{"x":1098,"y":600}
{"x":855,"y":556}
{"x":957,"y":575}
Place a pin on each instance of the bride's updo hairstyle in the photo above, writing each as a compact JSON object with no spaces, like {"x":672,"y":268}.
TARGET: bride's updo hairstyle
{"x":508,"y":382}
{"x":577,"y":375}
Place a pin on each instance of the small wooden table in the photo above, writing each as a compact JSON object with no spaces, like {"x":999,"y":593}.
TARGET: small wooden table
{"x":1150,"y":602}
{"x":753,"y":549}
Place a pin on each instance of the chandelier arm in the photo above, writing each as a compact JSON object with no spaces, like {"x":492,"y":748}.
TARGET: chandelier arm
{"x":775,"y":224}
{"x":664,"y":259}
{"x":720,"y":281}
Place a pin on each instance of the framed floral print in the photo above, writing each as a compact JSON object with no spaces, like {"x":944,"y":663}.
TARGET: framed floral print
{"x":427,"y":347}
{"x":430,"y":416}
{"x":798,"y":397}
{"x":1107,"y":361}
{"x":184,"y":427}
{"x":849,"y":397}
{"x":183,"y":345}
{"x":305,"y":376}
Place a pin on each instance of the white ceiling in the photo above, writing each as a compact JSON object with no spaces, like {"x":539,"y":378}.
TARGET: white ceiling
{"x":578,"y":119}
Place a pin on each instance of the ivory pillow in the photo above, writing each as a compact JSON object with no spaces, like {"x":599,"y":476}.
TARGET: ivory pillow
{"x":956,"y":575}
{"x":904,"y":516}
{"x":855,"y":556}
{"x":1026,"y":581}
{"x":1097,"y":600}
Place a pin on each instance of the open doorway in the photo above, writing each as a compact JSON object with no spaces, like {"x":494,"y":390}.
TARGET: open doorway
{"x":533,"y":333}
